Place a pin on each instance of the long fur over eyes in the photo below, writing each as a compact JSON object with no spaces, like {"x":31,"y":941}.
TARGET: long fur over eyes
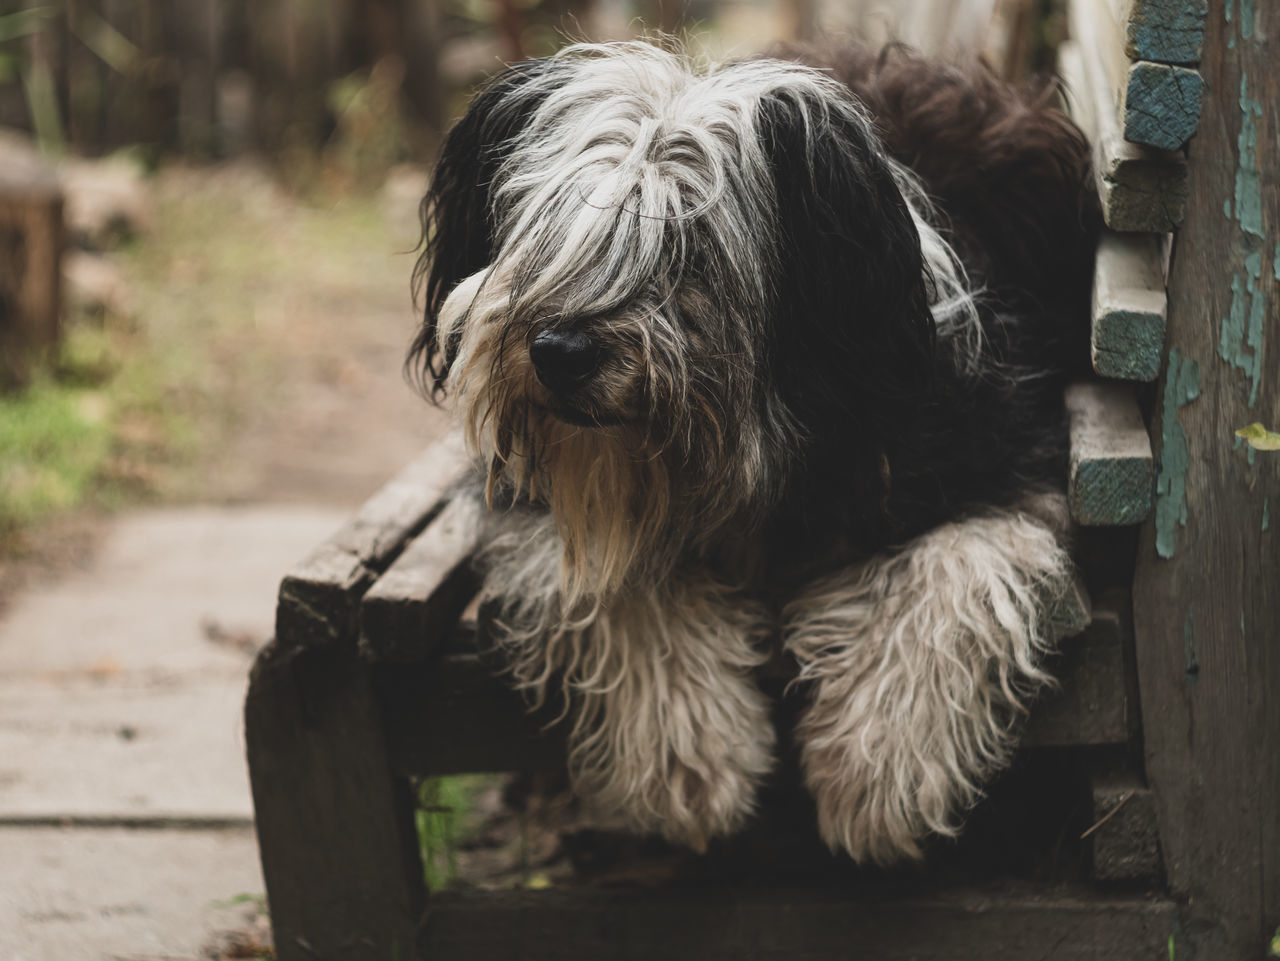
{"x":713,"y":348}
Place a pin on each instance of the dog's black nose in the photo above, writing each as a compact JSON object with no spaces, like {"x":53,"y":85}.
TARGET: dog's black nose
{"x":564,"y":359}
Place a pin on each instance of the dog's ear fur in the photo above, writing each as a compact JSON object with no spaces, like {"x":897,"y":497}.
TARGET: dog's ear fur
{"x":854,"y":343}
{"x":458,"y":217}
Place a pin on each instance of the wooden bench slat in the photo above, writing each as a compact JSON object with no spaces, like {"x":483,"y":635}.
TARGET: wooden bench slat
{"x":1124,"y":834}
{"x":420,"y":597}
{"x":1111,"y":467}
{"x":1091,"y":705}
{"x":1129,"y":307}
{"x":775,"y":923}
{"x":318,"y":598}
{"x":1153,"y":103}
{"x":1140,"y":188}
{"x":1166,"y":31}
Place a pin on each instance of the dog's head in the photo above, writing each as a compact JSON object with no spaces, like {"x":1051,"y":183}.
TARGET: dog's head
{"x":651,"y":288}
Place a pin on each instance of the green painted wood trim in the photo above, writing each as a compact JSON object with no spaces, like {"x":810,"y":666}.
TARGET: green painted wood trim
{"x":1111,"y":470}
{"x":1161,"y":105}
{"x":1129,"y":307}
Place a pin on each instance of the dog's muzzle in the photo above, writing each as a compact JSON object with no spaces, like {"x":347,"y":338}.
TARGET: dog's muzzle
{"x":564,"y":360}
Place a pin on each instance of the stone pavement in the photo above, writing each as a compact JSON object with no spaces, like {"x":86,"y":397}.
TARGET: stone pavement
{"x":125,"y":816}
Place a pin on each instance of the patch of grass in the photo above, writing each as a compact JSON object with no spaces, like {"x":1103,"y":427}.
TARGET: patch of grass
{"x":54,"y":440}
{"x":99,"y":425}
{"x":443,"y":819}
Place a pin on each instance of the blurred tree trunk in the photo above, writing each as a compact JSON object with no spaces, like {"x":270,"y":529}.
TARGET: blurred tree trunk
{"x":409,"y":30}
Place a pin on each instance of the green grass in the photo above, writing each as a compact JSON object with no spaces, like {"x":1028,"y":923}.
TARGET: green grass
{"x":443,"y":819}
{"x":54,"y":440}
{"x":102,"y":423}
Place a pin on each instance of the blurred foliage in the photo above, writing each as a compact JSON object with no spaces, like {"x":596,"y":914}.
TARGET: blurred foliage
{"x":237,"y":285}
{"x":100,"y":424}
{"x":370,"y":135}
{"x":444,"y":820}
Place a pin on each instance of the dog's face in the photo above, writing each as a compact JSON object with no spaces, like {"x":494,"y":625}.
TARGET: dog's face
{"x":650,"y":289}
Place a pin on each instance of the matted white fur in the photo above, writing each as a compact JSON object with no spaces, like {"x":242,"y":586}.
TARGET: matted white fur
{"x":922,"y":662}
{"x":668,"y":727}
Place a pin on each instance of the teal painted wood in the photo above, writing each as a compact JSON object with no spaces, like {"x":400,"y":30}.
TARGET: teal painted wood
{"x":1162,"y":104}
{"x":1110,"y":474}
{"x":1166,"y":31}
{"x":1141,"y":189}
{"x":1129,"y":306}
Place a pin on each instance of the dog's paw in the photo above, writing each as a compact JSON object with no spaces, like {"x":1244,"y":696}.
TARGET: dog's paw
{"x":921,"y":662}
{"x":686,"y":764}
{"x":880,"y":790}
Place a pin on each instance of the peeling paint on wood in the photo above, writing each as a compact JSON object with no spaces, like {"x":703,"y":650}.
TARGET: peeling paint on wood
{"x":1182,"y":386}
{"x":1240,"y":343}
{"x":1248,"y":187}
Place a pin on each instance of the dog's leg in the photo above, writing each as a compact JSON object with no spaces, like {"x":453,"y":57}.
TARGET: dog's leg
{"x":669,"y":729}
{"x":921,"y":662}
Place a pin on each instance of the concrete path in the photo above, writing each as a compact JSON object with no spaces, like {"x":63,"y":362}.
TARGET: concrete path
{"x":125,"y":816}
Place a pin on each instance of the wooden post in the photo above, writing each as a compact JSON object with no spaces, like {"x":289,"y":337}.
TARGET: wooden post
{"x":1207,"y":584}
{"x":335,"y":827}
{"x":31,"y":242}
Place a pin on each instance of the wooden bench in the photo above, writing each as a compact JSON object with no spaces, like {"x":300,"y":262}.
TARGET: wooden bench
{"x":373,"y":680}
{"x":1139,"y":820}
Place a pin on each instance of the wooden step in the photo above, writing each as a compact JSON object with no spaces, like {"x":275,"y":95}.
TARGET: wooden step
{"x":706,"y":923}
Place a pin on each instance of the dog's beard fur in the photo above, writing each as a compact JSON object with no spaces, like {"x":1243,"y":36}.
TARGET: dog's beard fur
{"x":640,"y":198}
{"x":668,"y":727}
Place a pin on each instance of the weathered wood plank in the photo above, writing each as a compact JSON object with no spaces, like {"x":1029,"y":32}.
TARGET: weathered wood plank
{"x":319,"y":598}
{"x":1070,"y":612}
{"x":1140,"y":188}
{"x":1123,"y":834}
{"x":419,"y":598}
{"x":456,"y":715}
{"x":1110,"y":473}
{"x":1166,"y":31}
{"x":1160,"y":104}
{"x":1155,"y":103}
{"x":1092,"y":702}
{"x":1206,"y":607}
{"x":795,"y":924}
{"x":335,"y":828}
{"x":1129,"y":307}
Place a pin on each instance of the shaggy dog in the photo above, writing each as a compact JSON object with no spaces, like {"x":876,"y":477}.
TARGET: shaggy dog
{"x":731,"y":376}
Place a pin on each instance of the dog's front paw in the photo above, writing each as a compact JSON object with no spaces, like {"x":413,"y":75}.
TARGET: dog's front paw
{"x":878,"y":789}
{"x":671,"y":731}
{"x":920,"y":663}
{"x":685,"y":763}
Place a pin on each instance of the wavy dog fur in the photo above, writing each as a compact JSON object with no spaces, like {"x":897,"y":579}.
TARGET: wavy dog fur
{"x":717,"y":358}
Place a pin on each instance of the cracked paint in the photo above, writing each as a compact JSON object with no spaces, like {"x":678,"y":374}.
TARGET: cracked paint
{"x":1182,"y":386}
{"x":1240,"y":343}
{"x":1248,"y":188}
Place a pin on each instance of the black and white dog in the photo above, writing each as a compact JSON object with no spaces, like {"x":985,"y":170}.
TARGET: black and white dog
{"x":731,"y":375}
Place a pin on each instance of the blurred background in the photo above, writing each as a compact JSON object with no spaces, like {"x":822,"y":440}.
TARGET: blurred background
{"x":208,"y":210}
